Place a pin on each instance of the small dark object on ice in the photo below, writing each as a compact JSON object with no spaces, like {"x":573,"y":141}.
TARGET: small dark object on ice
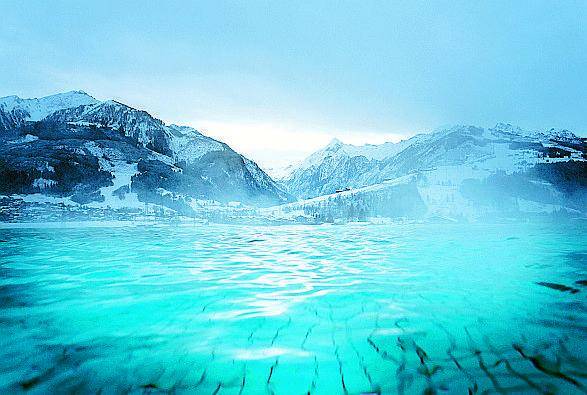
{"x":581,"y":282}
{"x":559,"y":287}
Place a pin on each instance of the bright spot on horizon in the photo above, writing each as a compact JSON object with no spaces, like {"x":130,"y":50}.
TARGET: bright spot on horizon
{"x":275,"y":146}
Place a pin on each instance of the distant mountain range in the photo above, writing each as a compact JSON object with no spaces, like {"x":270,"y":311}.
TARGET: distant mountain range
{"x":457,"y":171}
{"x":73,"y":148}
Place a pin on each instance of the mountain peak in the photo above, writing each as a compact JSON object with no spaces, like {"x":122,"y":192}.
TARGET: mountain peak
{"x":508,"y":128}
{"x":39,"y":108}
{"x":10,"y":97}
{"x":74,"y":95}
{"x":334,"y":144}
{"x":10,"y":102}
{"x":79,"y":92}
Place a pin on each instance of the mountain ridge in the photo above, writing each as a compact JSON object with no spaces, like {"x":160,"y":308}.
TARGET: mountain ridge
{"x":71,"y":149}
{"x":173,"y":166}
{"x":462,"y":171}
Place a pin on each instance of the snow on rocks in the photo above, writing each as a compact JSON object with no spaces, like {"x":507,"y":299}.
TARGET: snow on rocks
{"x":38,"y":109}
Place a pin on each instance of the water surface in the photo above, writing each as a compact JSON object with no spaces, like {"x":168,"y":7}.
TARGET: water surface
{"x":408,"y":308}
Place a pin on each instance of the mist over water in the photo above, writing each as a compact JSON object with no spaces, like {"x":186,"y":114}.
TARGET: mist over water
{"x":294,"y":309}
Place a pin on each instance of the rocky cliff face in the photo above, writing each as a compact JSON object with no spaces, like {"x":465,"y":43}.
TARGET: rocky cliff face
{"x":75,"y":148}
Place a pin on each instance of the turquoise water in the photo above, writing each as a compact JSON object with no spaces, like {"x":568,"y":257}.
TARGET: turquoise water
{"x":408,"y":308}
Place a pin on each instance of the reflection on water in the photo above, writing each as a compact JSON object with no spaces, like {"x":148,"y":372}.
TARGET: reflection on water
{"x":405,"y":308}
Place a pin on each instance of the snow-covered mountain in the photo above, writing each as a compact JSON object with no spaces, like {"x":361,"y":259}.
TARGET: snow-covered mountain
{"x":336,"y":166}
{"x":462,"y":170}
{"x":37,"y":109}
{"x":72,"y":148}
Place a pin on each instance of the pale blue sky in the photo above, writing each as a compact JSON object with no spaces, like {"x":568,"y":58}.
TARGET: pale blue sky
{"x":278,"y":79}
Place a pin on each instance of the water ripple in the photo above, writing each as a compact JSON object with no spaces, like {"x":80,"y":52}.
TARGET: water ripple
{"x":331,"y":309}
